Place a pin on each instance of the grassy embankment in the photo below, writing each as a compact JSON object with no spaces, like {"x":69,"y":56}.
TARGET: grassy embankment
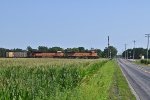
{"x":107,"y":83}
{"x":55,"y":79}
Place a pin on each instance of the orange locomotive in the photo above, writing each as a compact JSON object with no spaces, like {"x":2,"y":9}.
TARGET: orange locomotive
{"x":82,"y":55}
{"x":59,"y":54}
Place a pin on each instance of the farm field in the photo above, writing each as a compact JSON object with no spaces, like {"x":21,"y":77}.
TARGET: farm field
{"x":62,"y":79}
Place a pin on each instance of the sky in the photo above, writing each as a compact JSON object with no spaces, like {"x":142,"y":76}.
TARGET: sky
{"x":74,"y":23}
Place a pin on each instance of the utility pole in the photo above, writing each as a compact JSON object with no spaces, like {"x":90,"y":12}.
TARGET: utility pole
{"x":133,"y":49}
{"x":108,"y":48}
{"x":127,"y":54}
{"x":125,"y":51}
{"x":147,"y":35}
{"x":110,"y":53}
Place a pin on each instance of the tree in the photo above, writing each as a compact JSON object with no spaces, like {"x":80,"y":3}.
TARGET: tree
{"x":29,"y":49}
{"x":138,"y":53}
{"x":113,"y":52}
{"x":43,"y":49}
{"x":99,"y":52}
{"x":105,"y":53}
{"x":75,"y":50}
{"x":81,"y":49}
{"x":17,"y":50}
{"x":3,"y":52}
{"x":72,"y":50}
{"x":55,"y":49}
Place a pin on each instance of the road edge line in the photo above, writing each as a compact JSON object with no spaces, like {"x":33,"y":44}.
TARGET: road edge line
{"x":130,"y":86}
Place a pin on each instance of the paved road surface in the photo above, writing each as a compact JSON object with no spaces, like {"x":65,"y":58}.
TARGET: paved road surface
{"x":138,"y":76}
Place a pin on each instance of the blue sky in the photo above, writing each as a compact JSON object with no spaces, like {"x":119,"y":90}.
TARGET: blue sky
{"x":74,"y":23}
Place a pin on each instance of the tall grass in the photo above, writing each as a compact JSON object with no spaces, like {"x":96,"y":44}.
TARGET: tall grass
{"x":106,"y":83}
{"x":33,"y":79}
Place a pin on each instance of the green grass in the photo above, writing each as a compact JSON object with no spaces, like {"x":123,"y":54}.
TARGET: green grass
{"x":62,"y":79}
{"x":107,"y":83}
{"x":119,"y":89}
{"x":96,"y":86}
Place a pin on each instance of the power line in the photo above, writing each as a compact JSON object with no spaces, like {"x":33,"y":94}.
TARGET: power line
{"x":147,"y":35}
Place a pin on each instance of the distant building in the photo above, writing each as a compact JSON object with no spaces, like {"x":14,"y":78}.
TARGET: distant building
{"x":142,"y":57}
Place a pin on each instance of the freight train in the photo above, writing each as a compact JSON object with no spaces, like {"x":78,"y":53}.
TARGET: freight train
{"x":58,"y":54}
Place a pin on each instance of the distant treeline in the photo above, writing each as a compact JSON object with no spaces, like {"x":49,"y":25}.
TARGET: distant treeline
{"x":139,"y":52}
{"x":29,"y":49}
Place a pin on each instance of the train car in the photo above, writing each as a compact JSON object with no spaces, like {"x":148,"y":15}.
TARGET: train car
{"x":16,"y":54}
{"x":9,"y":54}
{"x":58,"y":54}
{"x":89,"y":55}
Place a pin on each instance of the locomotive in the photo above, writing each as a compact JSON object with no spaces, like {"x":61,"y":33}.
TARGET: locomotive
{"x":58,"y":54}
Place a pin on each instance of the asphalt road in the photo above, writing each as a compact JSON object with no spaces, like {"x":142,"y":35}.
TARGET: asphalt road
{"x":138,"y":77}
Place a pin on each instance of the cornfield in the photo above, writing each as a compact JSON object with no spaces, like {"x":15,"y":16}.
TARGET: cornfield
{"x":46,"y":79}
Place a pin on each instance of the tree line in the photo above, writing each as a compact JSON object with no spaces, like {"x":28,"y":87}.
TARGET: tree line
{"x":103,"y":54}
{"x":139,"y":52}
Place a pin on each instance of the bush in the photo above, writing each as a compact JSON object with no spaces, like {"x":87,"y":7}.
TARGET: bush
{"x":145,"y":61}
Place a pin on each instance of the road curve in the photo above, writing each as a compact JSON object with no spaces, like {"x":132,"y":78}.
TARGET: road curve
{"x":138,"y":76}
